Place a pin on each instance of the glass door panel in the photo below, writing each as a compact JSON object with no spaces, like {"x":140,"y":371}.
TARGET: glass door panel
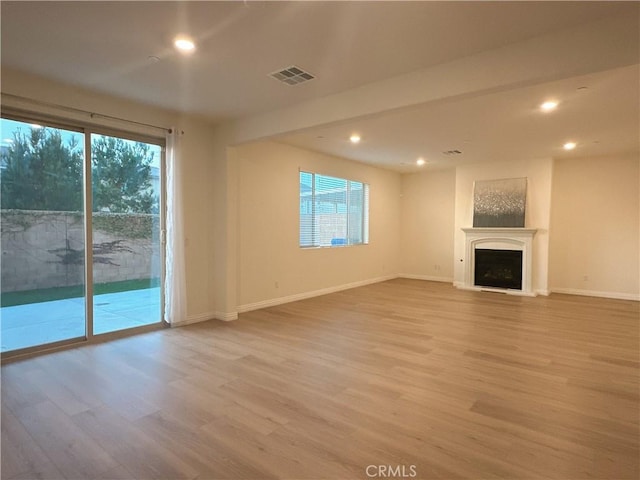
{"x":42,"y":265}
{"x":126,"y":228}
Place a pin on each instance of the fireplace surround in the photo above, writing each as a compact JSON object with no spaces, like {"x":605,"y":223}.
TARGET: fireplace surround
{"x":480,"y":240}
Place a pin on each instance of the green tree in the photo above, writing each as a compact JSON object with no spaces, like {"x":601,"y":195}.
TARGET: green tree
{"x":121,"y":176}
{"x":43,"y":172}
{"x":40,"y":172}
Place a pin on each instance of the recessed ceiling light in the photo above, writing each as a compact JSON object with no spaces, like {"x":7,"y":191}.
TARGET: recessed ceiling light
{"x":355,"y":138}
{"x":420,"y":162}
{"x":184,"y":44}
{"x":549,"y":105}
{"x":569,"y":145}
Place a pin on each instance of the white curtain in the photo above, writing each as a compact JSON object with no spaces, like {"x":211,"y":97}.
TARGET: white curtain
{"x":175,"y":297}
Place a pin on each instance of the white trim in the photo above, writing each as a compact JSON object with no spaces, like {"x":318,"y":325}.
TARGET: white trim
{"x":225,"y":316}
{"x":314,"y":293}
{"x":203,"y":317}
{"x":429,"y":278}
{"x":594,"y":293}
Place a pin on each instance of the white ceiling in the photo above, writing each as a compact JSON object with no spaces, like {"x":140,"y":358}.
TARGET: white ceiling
{"x":105,"y":46}
{"x":602,"y":118}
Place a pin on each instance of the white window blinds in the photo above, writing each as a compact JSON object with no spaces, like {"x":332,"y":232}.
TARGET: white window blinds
{"x":333,"y":211}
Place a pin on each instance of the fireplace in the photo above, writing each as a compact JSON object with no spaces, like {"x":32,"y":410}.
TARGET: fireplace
{"x":499,"y":259}
{"x":498,"y":268}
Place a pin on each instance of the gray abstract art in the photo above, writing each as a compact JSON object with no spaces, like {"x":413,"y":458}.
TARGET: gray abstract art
{"x":499,"y":203}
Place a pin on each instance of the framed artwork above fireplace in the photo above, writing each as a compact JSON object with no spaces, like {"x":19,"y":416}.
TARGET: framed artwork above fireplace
{"x":499,"y":203}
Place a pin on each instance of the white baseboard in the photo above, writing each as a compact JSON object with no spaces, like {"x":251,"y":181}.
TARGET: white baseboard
{"x":314,"y":293}
{"x":226,"y":316}
{"x":203,"y":317}
{"x":429,"y":278}
{"x":595,"y":293}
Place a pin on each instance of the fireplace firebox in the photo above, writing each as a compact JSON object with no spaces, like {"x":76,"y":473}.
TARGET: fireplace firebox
{"x":498,"y":268}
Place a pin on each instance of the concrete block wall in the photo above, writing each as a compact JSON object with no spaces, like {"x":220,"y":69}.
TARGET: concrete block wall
{"x":46,"y":249}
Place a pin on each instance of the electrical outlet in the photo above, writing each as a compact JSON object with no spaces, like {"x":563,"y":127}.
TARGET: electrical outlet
{"x":276,"y":284}
{"x":585,"y":278}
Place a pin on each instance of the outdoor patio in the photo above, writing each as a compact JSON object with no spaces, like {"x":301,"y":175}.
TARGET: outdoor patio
{"x":45,"y":322}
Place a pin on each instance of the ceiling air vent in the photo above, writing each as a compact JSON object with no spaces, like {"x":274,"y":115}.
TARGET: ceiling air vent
{"x":292,"y":75}
{"x":452,"y":152}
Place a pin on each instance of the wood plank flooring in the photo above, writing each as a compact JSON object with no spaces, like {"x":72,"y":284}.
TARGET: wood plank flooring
{"x":446,"y":383}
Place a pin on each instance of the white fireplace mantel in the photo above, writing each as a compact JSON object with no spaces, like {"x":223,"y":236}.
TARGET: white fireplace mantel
{"x":500,"y":239}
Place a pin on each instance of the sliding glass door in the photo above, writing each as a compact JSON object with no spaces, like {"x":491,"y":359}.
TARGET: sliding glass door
{"x":127,"y":252}
{"x":60,"y":189}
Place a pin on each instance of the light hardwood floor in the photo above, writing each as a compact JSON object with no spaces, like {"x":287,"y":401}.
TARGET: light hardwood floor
{"x":402,"y":373}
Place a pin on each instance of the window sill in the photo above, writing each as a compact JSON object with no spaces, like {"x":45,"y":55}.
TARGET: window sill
{"x":325,"y":247}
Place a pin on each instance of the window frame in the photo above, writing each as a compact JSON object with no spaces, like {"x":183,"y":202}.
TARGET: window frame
{"x":364,"y":212}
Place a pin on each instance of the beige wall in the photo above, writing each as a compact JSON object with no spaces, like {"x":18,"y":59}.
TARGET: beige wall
{"x":538,"y":174}
{"x":203,"y":178}
{"x":595,"y":226}
{"x":271,"y":265}
{"x":427,"y":219}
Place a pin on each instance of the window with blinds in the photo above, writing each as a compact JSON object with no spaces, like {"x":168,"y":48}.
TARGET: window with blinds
{"x":333,"y":211}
